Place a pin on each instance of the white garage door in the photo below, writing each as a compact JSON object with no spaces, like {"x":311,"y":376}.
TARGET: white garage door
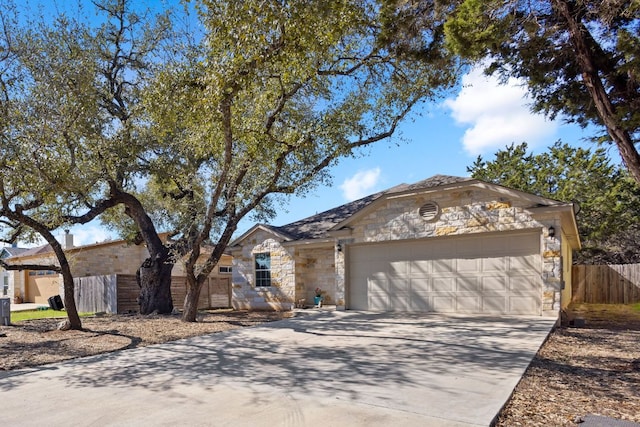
{"x":493,"y":274}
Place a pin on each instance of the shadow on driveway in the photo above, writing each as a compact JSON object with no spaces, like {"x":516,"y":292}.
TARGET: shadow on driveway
{"x":420,"y":363}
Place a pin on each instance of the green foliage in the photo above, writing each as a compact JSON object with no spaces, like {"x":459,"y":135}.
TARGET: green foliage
{"x":191,"y":135}
{"x":269,"y":103}
{"x":580,"y":60}
{"x":608,"y":199}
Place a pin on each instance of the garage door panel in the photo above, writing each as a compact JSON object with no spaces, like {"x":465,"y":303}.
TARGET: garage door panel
{"x":522,"y":283}
{"x":494,"y":283}
{"x":420,"y":302}
{"x":398,"y":268}
{"x":399,"y":302}
{"x":378,"y":301}
{"x":529,"y":262}
{"x":444,"y":265}
{"x":442,"y":284}
{"x":378,"y":284}
{"x":468,"y":265}
{"x":397,"y":285}
{"x":467,"y":304}
{"x":523,"y":304}
{"x":494,"y":304}
{"x":489,"y":274}
{"x":420,"y":268}
{"x":444,"y":304}
{"x":500,"y":264}
{"x":467,"y":284}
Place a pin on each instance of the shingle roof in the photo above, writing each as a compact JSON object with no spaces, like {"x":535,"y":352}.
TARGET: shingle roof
{"x":13,"y":251}
{"x":35,"y":251}
{"x":316,"y":226}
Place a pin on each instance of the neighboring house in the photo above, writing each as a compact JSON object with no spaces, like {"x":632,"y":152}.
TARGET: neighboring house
{"x":6,"y":277}
{"x":117,"y":257}
{"x":445,"y":244}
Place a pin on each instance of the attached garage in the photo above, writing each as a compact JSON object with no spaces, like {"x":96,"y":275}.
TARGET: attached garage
{"x":445,"y":244}
{"x":495,"y":273}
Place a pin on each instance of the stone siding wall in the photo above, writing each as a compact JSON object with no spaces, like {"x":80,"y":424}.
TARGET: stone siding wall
{"x":461,"y":213}
{"x":282,"y":292}
{"x":314,"y":269}
{"x":116,"y":258}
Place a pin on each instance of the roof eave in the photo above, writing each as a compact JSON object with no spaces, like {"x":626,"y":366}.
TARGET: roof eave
{"x":507,"y":192}
{"x":567,"y":220}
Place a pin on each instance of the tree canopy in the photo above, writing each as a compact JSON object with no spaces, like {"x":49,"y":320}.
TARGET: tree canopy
{"x":276,"y":93}
{"x":608,"y":199}
{"x":579,"y":58}
{"x":193,"y":135}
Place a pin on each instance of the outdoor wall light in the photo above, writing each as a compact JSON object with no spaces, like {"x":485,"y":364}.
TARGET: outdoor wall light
{"x":552,"y":231}
{"x":339,"y":247}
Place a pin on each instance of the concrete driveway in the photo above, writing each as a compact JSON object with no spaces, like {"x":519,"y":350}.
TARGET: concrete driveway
{"x":323,"y":368}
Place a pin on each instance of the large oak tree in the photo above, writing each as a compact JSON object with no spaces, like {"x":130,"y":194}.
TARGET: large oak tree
{"x":259,"y":107}
{"x":275,"y":94}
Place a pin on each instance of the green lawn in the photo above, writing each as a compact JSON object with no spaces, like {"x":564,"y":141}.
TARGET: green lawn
{"x":19,"y":316}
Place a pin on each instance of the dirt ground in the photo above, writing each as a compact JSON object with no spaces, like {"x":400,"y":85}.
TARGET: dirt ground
{"x":38,"y":342}
{"x":592,"y":369}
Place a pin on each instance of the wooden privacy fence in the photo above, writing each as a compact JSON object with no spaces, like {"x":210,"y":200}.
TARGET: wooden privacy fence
{"x":118,"y":293}
{"x":606,"y":284}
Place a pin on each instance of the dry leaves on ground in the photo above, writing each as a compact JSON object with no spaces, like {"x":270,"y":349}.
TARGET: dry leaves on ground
{"x":38,"y":342}
{"x":593,"y":369}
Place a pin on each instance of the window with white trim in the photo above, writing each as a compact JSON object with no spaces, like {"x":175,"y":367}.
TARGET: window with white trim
{"x":263,"y":269}
{"x":224,"y":269}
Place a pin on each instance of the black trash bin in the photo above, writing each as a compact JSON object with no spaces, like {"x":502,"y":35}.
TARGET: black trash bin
{"x":55,"y":302}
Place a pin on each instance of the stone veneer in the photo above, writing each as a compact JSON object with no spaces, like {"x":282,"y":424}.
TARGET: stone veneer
{"x":314,"y":269}
{"x":90,"y":260}
{"x":281,"y":294}
{"x":461,"y":213}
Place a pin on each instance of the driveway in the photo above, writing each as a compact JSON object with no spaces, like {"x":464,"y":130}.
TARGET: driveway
{"x":322,"y":368}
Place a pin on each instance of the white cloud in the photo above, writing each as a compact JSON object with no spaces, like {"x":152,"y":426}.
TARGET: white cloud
{"x":496,"y":114}
{"x":361,"y":184}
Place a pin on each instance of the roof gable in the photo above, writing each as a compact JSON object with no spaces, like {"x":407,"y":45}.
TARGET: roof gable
{"x":439,"y":183}
{"x":320,"y":225}
{"x":9,"y":251}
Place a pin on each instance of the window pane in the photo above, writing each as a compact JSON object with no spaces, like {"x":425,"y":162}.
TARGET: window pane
{"x":263,"y":269}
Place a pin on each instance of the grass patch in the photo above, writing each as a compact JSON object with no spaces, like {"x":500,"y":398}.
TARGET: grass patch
{"x":20,"y":316}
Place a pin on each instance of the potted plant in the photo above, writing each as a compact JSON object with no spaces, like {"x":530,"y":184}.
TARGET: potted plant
{"x":317,"y":299}
{"x":17,"y":299}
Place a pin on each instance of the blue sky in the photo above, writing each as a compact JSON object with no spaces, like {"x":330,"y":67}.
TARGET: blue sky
{"x":442,"y":137}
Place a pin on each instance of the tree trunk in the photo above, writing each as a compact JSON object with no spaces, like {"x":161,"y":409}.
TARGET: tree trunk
{"x":154,"y":279}
{"x":596,"y":89}
{"x":69,"y":298}
{"x":191,"y":299}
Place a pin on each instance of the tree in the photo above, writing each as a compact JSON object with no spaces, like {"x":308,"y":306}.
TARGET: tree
{"x":70,"y":141}
{"x":275,"y":94}
{"x":579,"y":58}
{"x":608,"y":199}
{"x":21,"y":198}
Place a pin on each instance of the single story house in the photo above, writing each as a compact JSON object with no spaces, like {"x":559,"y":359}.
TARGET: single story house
{"x":115,"y":258}
{"x":446,"y":244}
